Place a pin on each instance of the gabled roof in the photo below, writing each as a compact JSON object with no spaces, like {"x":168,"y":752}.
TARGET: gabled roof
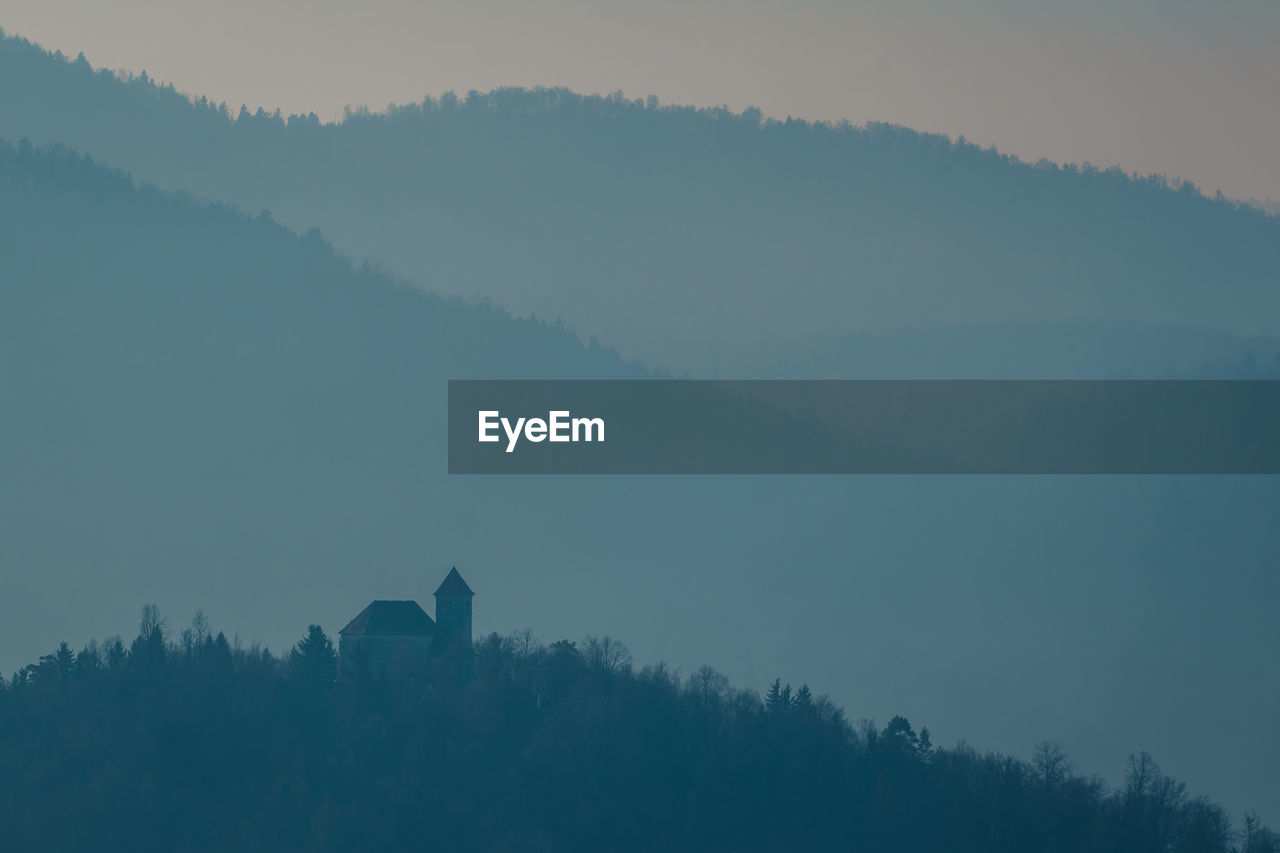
{"x":392,"y":618}
{"x":454,"y":586}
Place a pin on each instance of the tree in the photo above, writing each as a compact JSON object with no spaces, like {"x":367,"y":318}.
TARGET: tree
{"x":524,"y":644}
{"x":1051,"y":764}
{"x":708,"y":687}
{"x":778,"y":700}
{"x":606,"y":656}
{"x":900,"y":734}
{"x":147,"y":650}
{"x":197,"y":635}
{"x":65,"y":659}
{"x":1256,"y":838}
{"x":313,"y":660}
{"x":89,"y":659}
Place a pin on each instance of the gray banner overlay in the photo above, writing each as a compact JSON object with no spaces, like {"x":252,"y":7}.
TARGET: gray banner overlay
{"x":865,"y":427}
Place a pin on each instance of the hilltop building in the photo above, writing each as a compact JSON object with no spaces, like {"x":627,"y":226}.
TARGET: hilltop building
{"x":398,"y":638}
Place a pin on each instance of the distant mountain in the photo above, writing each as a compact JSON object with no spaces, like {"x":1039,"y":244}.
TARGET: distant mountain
{"x":1268,"y":206}
{"x":146,"y":338}
{"x":179,"y":378}
{"x":698,"y":239}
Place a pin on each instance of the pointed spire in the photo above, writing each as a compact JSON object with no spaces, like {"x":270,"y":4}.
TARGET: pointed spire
{"x":454,"y":586}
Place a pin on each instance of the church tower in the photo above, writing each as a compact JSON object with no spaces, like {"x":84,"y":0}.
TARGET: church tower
{"x":453,"y":612}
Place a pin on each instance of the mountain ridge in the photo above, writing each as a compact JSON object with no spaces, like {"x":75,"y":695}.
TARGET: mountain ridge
{"x":670,"y":231}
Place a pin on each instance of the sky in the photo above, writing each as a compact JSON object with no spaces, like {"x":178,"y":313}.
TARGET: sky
{"x":1171,"y":86}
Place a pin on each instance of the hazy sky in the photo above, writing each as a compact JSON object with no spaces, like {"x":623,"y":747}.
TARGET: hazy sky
{"x":1174,"y":86}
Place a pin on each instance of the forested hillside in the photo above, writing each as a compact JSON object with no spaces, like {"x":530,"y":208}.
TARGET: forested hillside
{"x":706,"y":240}
{"x":188,"y":741}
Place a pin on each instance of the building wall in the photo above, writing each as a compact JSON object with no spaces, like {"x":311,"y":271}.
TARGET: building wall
{"x":453,"y":618}
{"x":394,"y":656}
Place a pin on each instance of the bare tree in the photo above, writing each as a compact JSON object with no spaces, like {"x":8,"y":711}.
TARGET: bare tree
{"x":150,"y":622}
{"x":524,"y":644}
{"x":607,"y":656}
{"x":1051,"y":763}
{"x":708,"y":687}
{"x":1256,"y":838}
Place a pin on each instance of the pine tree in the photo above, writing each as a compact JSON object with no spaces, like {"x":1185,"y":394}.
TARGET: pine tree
{"x":313,"y":660}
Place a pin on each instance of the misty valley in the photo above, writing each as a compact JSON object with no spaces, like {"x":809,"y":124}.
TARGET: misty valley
{"x":227,"y":339}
